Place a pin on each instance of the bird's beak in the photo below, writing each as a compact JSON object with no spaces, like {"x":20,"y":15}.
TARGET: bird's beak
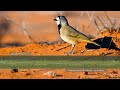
{"x":55,"y":19}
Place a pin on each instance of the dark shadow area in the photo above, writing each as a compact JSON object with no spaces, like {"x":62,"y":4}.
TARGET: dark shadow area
{"x":4,"y":27}
{"x":105,"y":42}
{"x":52,"y":43}
{"x":59,"y":75}
{"x":12,"y":44}
{"x":46,"y":43}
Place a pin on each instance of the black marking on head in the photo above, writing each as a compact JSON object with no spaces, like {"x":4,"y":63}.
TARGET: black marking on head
{"x":60,"y":25}
{"x":59,"y":17}
{"x":64,"y":17}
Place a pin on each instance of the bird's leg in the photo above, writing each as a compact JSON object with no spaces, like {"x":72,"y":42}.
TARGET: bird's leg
{"x":73,"y":46}
{"x":71,"y":51}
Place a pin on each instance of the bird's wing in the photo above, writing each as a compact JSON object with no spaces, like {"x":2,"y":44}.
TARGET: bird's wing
{"x":76,"y":34}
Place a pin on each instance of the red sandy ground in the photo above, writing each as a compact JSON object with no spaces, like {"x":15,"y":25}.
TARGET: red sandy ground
{"x":59,"y":74}
{"x":53,"y":49}
{"x":44,"y":49}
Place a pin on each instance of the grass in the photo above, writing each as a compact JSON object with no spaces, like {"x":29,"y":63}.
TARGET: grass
{"x":59,"y":62}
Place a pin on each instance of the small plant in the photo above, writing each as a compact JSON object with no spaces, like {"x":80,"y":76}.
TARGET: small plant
{"x":107,"y":29}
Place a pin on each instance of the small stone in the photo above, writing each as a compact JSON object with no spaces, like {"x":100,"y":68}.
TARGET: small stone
{"x":28,"y":74}
{"x":86,"y":73}
{"x":50,"y":74}
{"x":78,"y":77}
{"x":114,"y":72}
{"x":14,"y":70}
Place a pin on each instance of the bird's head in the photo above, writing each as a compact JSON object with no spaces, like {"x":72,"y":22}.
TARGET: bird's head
{"x":61,"y":20}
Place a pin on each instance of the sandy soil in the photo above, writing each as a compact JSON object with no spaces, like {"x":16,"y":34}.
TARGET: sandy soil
{"x":43,"y":30}
{"x":59,"y":74}
{"x":57,"y":50}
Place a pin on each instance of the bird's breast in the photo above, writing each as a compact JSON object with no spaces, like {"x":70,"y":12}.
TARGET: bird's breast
{"x":67,"y":39}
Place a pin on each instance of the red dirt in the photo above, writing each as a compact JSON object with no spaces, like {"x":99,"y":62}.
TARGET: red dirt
{"x":53,"y":50}
{"x":59,"y":74}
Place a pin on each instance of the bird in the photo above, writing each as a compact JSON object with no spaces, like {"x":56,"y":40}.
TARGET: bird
{"x":70,"y":34}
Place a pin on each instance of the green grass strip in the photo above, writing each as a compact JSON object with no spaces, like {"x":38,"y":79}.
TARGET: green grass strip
{"x":58,"y":62}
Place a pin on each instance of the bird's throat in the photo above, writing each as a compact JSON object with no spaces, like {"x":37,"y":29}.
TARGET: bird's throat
{"x":59,"y":27}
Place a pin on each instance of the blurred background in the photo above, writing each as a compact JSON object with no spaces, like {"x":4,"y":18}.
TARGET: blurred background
{"x":22,"y":27}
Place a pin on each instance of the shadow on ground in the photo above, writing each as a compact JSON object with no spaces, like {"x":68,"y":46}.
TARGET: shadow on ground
{"x":105,"y":42}
{"x":11,"y":44}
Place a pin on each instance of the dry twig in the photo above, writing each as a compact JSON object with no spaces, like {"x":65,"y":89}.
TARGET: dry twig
{"x":101,"y":22}
{"x":108,"y":18}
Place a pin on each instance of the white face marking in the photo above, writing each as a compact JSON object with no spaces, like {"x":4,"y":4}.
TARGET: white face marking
{"x":58,"y":21}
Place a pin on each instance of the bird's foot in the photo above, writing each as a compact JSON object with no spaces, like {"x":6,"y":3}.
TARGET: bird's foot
{"x":87,"y":50}
{"x":90,"y":49}
{"x":83,"y":51}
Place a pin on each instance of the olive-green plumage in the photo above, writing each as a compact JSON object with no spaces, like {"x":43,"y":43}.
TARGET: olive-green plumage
{"x":74,"y":35}
{"x":69,"y":34}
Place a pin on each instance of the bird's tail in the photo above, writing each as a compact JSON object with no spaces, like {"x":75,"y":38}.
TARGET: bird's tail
{"x":94,"y":43}
{"x":89,"y":41}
